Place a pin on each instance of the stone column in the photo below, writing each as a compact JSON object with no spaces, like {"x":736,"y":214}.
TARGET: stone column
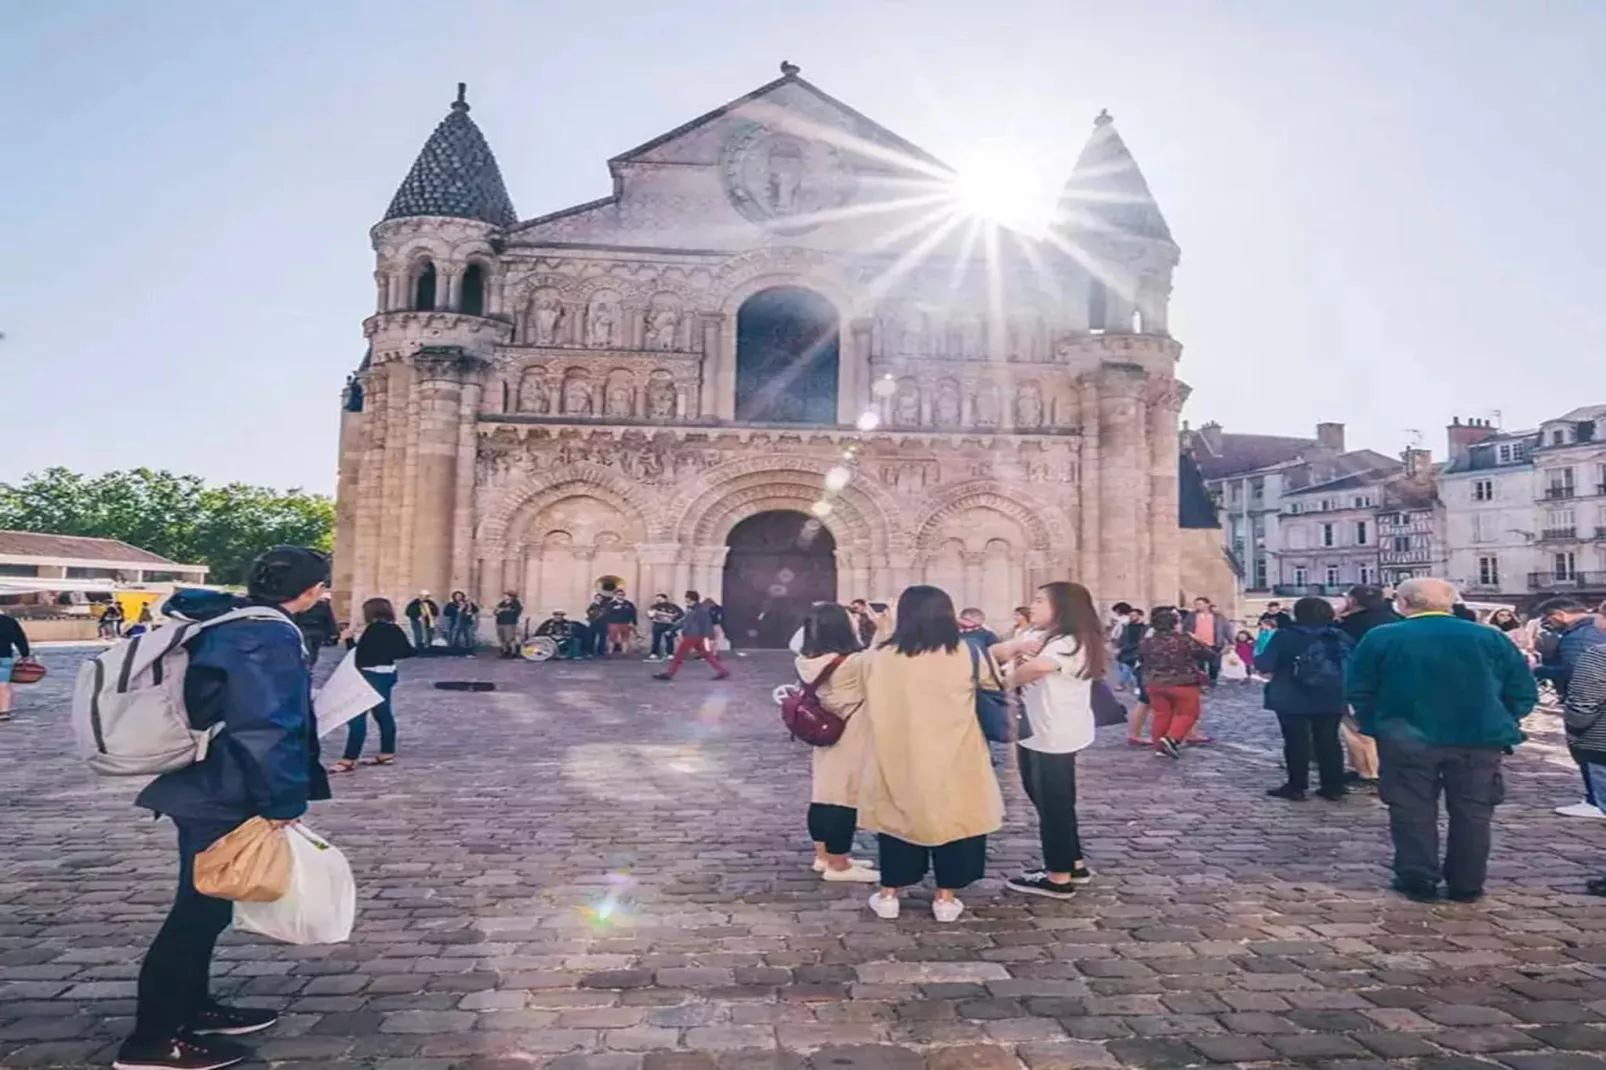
{"x":715,"y":402}
{"x":492,"y":586}
{"x":439,"y":404}
{"x":391,"y":518}
{"x":1165,"y":537}
{"x":1123,"y":482}
{"x":462,"y":531}
{"x":352,"y":428}
{"x":454,"y":290}
{"x":975,"y":562}
{"x":853,"y":372}
{"x":657,"y":562}
{"x":1090,"y":488}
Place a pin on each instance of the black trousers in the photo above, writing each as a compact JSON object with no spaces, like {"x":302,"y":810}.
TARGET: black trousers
{"x":833,"y":826}
{"x":957,"y":864}
{"x":1411,"y":778}
{"x":1050,"y":782}
{"x":1307,"y":736}
{"x":663,"y":639}
{"x":175,"y":978}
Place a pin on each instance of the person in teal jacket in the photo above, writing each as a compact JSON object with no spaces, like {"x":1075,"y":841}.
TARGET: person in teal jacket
{"x":1445,"y":699}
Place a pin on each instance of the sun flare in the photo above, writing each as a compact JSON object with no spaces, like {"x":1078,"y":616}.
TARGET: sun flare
{"x":999,"y":186}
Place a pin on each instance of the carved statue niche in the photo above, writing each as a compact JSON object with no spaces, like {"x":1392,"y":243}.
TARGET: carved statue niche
{"x":1029,"y":406}
{"x":906,"y":404}
{"x":604,"y":319}
{"x":661,"y":396}
{"x":577,"y":393}
{"x":946,"y":407}
{"x":912,"y":333}
{"x":663,"y":321}
{"x":987,"y":405}
{"x":972,"y":337}
{"x":535,"y":393}
{"x":546,"y":318}
{"x":619,"y":397}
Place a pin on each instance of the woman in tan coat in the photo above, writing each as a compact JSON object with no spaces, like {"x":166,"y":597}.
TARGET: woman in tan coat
{"x":928,"y":788}
{"x":829,"y":641}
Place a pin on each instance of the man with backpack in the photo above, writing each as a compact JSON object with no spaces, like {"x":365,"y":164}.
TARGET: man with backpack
{"x":246,"y":691}
{"x":1444,"y":698}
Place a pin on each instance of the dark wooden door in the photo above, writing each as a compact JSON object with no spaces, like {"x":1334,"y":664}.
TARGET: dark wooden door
{"x":778,"y":565}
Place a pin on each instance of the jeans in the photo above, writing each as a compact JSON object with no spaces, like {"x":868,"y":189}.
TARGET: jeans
{"x":423,"y":634}
{"x":597,"y":639}
{"x":703,"y":645}
{"x":175,"y":978}
{"x":663,"y":639}
{"x":1126,"y":675}
{"x":1214,"y":666}
{"x":1050,"y":782}
{"x":1594,"y":783}
{"x":1313,"y":735}
{"x":1176,"y":708}
{"x":357,"y":727}
{"x":833,"y":826}
{"x":1413,"y":776}
{"x":460,"y":633}
{"x":957,"y":864}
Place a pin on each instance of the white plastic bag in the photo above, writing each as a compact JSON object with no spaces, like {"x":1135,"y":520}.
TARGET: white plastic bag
{"x":321,"y":905}
{"x":1233,"y":667}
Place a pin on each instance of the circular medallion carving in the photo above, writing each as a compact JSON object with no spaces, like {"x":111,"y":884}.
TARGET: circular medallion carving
{"x":783,"y":181}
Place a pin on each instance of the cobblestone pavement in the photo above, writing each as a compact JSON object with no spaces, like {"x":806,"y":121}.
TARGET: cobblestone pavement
{"x":588,"y":869}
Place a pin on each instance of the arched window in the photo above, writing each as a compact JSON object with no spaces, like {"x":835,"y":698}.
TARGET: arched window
{"x":424,"y":287}
{"x":1137,"y":321}
{"x":473,"y":302}
{"x":786,"y":357}
{"x":1098,"y":306}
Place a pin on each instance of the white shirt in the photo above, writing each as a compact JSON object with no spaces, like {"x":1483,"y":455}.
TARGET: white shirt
{"x":1060,"y":705}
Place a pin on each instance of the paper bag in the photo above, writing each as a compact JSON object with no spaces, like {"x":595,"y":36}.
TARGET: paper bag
{"x":249,"y":865}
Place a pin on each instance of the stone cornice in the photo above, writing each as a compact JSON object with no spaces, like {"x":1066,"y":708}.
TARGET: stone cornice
{"x":435,"y":320}
{"x":549,"y":427}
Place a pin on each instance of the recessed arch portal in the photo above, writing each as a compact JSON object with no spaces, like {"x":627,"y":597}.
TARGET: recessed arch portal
{"x":787,"y":357}
{"x":778,"y":564}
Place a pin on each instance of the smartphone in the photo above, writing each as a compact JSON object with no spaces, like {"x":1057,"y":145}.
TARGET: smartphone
{"x":879,"y":607}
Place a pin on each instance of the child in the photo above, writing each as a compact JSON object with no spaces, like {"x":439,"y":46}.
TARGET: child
{"x":1244,"y":645}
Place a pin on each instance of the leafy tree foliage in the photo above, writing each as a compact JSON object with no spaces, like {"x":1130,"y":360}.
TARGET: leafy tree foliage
{"x":179,"y":517}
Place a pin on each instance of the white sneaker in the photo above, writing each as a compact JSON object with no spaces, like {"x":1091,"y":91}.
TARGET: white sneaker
{"x":1580,"y":809}
{"x":885,"y":907}
{"x":819,"y":864}
{"x":854,"y":874}
{"x":947,"y":909}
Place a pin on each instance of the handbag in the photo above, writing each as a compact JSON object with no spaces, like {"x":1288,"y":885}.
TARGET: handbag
{"x":992,"y":704}
{"x":27,"y":671}
{"x":1107,"y":709}
{"x":805,"y":716}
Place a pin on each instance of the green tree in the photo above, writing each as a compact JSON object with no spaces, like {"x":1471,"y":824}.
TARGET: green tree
{"x":176,"y":516}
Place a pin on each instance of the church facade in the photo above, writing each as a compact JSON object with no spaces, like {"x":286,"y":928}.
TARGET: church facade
{"x":778,"y":363}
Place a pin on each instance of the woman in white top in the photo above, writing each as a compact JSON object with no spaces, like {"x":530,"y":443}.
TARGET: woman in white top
{"x":1055,"y":666}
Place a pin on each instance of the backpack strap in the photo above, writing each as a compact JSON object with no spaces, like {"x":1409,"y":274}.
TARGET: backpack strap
{"x":811,"y":688}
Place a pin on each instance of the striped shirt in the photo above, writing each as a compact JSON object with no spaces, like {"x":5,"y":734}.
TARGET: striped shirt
{"x":1585,"y":711}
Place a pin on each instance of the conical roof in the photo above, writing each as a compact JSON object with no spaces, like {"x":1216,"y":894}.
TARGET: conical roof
{"x":455,"y":175}
{"x":1107,"y":192}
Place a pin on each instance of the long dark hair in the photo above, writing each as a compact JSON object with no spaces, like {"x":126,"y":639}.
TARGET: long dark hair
{"x":378,"y":609}
{"x":925,"y":622}
{"x":1075,"y":616}
{"x":829,"y":630}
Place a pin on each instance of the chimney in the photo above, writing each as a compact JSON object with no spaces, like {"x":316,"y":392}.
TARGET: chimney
{"x":1211,"y":433}
{"x":1331,"y":437}
{"x":1464,"y":434}
{"x":1418,"y":462}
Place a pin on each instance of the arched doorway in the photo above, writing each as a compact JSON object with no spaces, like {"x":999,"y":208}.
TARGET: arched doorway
{"x":786,"y":357}
{"x":778,"y":564}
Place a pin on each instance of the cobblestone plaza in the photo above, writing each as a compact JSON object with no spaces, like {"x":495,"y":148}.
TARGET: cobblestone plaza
{"x":584,"y":869}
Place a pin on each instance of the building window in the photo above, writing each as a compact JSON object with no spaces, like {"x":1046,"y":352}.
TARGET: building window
{"x":1559,"y":483}
{"x":1363,"y":574}
{"x":1564,"y":566}
{"x":1361,"y":501}
{"x":1293,"y":508}
{"x":424,"y":287}
{"x":1299,"y":576}
{"x":1260,"y":573}
{"x":1600,"y":479}
{"x":1402,"y":544}
{"x":1489,"y":571}
{"x":1560,"y":523}
{"x":1098,"y":305}
{"x":473,"y":302}
{"x":1236,"y":491}
{"x":1558,"y":437}
{"x":1363,"y":536}
{"x":1483,"y":490}
{"x":1325,"y":504}
{"x":1329,"y":535}
{"x":1257,"y":490}
{"x":1332,"y":576}
{"x":1257,"y":528}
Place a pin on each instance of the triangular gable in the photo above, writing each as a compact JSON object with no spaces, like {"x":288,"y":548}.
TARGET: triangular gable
{"x":859,"y":123}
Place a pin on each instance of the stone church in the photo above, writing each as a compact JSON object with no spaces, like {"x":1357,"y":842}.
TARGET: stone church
{"x":777,"y":363}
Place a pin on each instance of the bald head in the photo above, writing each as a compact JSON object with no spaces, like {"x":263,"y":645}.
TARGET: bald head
{"x":1427,"y":596}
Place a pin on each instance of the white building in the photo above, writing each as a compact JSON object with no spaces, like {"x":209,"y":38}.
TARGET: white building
{"x":1569,"y":461}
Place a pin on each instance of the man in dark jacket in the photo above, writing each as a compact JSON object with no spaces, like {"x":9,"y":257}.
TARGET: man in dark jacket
{"x":696,"y":636}
{"x":250,"y":677}
{"x":622,"y":620}
{"x":318,"y":628}
{"x":423,"y":612}
{"x":1365,"y":607}
{"x":1444,"y":698}
{"x":1576,"y":631}
{"x":665,"y":617}
{"x":508,"y":612}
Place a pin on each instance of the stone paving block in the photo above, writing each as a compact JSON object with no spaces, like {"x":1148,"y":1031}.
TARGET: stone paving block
{"x":1066,"y":1055}
{"x":867,"y":1057}
{"x":931,"y":972}
{"x":972,"y":1057}
{"x":1228,"y":1049}
{"x":1484,"y":1040}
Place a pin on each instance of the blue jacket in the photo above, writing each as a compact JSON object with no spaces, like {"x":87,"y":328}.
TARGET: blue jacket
{"x":1284,"y":694}
{"x":252,"y":677}
{"x":1442,"y":681}
{"x":1574,"y":641}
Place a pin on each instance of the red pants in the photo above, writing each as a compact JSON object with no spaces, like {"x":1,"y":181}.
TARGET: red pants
{"x":1176,"y":708}
{"x":699,"y":644}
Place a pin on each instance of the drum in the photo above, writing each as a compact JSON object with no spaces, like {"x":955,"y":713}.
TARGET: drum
{"x":541,"y":648}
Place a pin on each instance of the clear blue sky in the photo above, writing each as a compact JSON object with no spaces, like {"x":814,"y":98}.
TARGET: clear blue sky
{"x":1389,"y":212}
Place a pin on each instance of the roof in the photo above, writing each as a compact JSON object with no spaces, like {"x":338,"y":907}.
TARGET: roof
{"x":790,"y":75}
{"x":455,"y":175}
{"x":1359,"y":468}
{"x":1245,"y":453}
{"x":1581,"y":415}
{"x":79,"y":547}
{"x":1108,"y":193}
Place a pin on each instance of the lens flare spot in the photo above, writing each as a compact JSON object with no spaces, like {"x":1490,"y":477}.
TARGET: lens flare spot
{"x":869,"y":421}
{"x":821,"y":508}
{"x":884,"y":387}
{"x":837,"y":478}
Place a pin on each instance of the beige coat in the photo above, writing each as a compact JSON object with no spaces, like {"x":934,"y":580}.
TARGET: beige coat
{"x":928,"y":779}
{"x":837,"y":768}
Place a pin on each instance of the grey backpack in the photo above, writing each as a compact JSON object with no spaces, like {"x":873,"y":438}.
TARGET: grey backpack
{"x":128,"y":704}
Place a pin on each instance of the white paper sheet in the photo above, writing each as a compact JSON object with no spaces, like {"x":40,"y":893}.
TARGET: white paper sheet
{"x":343,"y":696}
